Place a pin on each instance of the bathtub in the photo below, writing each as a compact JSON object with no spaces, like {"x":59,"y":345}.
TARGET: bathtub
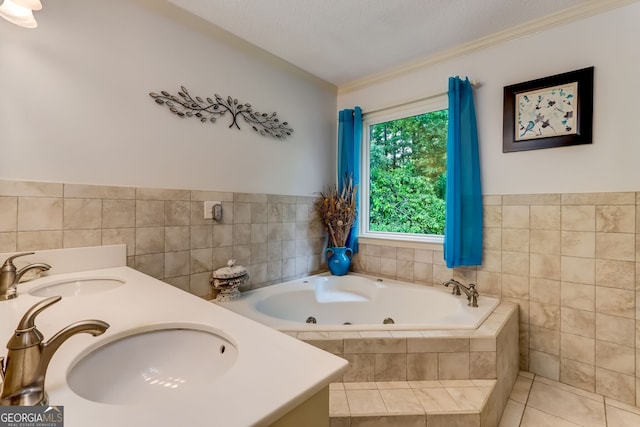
{"x":359,"y":303}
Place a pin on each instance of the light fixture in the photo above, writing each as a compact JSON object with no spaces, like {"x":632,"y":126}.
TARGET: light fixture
{"x":20,"y":12}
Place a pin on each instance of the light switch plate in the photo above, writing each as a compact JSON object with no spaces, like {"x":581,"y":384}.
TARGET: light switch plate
{"x":208,"y":208}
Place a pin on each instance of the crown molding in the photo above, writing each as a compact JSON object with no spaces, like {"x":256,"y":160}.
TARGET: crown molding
{"x":576,"y":13}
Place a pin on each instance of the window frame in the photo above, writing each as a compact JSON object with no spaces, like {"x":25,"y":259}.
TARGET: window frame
{"x":431,"y":104}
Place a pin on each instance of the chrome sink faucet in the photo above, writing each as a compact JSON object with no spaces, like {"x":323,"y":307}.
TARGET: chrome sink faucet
{"x":23,"y":372}
{"x":471,"y":292}
{"x":10,"y":275}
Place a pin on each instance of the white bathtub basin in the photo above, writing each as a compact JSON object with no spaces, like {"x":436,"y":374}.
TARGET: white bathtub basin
{"x":77,"y":287}
{"x":154,"y":367}
{"x":358,"y":302}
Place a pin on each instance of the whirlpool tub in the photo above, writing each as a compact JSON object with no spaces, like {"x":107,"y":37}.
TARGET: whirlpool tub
{"x":358,"y":302}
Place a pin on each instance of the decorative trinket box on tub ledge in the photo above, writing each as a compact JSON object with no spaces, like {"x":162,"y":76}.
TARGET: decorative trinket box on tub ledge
{"x":227,"y":280}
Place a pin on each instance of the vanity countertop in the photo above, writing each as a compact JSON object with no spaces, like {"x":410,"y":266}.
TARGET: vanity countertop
{"x":273,"y":374}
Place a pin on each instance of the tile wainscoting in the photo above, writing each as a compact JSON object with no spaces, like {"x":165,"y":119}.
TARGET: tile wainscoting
{"x":276,"y":237}
{"x":569,"y":261}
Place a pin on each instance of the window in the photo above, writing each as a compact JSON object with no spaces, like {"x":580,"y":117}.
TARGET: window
{"x":404,"y":172}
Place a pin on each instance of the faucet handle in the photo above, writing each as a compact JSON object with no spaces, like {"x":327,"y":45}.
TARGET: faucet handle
{"x":8,"y":263}
{"x":473,"y":290}
{"x":8,"y":269}
{"x":26,"y":334}
{"x":473,"y":295}
{"x":28,"y":320}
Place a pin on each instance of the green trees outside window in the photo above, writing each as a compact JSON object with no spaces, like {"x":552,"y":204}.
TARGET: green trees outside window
{"x":408,"y":162}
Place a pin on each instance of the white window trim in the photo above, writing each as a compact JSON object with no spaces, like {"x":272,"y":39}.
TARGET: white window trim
{"x":428,"y":105}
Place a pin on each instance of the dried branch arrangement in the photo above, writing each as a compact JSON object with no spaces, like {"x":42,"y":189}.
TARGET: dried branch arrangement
{"x":338,"y":212}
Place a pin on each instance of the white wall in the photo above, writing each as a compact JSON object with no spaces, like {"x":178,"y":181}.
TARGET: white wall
{"x":608,"y":41}
{"x":74,"y":105}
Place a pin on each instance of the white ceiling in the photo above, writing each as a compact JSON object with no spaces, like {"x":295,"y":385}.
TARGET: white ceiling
{"x":342,"y":41}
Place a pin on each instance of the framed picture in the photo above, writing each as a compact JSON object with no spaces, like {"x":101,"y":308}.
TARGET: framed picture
{"x":554,"y":111}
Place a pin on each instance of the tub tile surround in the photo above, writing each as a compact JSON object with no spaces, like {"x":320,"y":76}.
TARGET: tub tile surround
{"x":425,"y":364}
{"x":569,"y":261}
{"x":276,"y":237}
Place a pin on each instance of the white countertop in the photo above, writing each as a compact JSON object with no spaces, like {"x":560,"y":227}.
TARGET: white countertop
{"x":273,"y":374}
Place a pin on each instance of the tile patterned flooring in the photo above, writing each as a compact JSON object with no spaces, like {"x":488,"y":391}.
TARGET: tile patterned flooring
{"x":539,"y":402}
{"x":534,"y":402}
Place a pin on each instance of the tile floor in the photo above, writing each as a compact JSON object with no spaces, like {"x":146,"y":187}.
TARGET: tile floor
{"x":539,"y":402}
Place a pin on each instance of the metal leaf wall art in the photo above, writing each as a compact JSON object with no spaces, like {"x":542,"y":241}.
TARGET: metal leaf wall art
{"x":209,"y":110}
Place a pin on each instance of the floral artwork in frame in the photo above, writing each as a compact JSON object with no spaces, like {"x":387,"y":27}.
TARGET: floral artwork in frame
{"x":550,"y":112}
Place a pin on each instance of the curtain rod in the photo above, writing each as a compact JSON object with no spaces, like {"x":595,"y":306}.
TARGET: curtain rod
{"x":474,"y":83}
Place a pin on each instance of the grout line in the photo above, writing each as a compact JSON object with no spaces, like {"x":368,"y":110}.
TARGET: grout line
{"x":524,"y":408}
{"x":526,"y":401}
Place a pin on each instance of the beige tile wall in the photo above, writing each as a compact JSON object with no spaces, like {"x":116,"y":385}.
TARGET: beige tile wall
{"x":569,"y":261}
{"x":276,"y":237}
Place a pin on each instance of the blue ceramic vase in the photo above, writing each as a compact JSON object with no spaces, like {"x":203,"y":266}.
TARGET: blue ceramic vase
{"x":339,"y":260}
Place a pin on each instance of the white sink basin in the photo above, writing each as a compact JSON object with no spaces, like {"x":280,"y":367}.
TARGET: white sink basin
{"x":155,"y":367}
{"x":77,"y":287}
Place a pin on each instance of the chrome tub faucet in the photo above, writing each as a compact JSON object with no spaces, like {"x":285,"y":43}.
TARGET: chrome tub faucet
{"x":471,"y":292}
{"x":10,"y":276}
{"x":24,"y":370}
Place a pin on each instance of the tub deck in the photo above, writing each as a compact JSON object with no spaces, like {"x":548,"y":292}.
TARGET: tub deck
{"x":429,"y":359}
{"x":357,"y":303}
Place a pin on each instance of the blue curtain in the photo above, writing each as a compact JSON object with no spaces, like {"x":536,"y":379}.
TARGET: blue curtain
{"x":349,"y":140}
{"x":463,"y":223}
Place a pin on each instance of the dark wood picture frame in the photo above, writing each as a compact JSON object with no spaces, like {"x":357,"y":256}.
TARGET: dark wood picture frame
{"x":554,"y":111}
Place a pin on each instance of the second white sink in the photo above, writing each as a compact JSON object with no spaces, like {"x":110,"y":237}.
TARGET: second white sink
{"x":77,"y":287}
{"x":154,"y":367}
